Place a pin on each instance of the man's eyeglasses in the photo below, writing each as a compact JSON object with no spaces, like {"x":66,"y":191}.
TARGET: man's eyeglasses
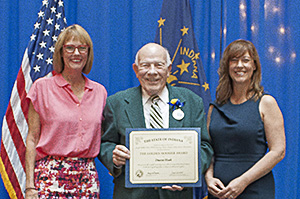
{"x":82,"y":49}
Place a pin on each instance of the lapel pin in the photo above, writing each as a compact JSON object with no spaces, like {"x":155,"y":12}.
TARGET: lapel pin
{"x":177,"y":113}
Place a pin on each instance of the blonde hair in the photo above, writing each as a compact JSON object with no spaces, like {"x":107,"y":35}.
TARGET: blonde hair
{"x":237,"y":49}
{"x":77,"y":32}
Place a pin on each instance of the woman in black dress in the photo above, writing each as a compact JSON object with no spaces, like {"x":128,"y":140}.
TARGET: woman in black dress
{"x":246,"y":127}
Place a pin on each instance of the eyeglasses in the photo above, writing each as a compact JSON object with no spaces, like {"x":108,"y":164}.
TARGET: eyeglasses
{"x":147,"y":66}
{"x":82,"y":49}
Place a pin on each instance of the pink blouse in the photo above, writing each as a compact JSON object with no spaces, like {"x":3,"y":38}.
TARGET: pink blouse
{"x":69,"y":128}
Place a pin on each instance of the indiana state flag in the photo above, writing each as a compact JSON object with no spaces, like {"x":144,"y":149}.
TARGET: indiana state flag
{"x":175,"y":32}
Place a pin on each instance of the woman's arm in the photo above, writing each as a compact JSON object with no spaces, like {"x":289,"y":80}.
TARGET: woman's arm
{"x":31,"y":142}
{"x":275,"y":135}
{"x":210,"y":171}
{"x":214,"y":185}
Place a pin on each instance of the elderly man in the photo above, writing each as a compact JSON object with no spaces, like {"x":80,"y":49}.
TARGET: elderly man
{"x":132,"y":109}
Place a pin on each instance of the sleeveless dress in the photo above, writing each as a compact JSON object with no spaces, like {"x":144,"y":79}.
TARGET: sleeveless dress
{"x":239,"y":141}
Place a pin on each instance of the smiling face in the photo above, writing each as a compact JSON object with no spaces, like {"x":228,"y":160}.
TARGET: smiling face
{"x":152,"y":69}
{"x":241,"y":69}
{"x":74,"y":60}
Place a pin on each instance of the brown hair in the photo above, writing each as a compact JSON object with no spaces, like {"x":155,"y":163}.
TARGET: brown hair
{"x":237,"y":49}
{"x":77,"y":32}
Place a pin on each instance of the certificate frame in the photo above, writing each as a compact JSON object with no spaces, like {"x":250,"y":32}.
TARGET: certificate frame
{"x":165,"y":137}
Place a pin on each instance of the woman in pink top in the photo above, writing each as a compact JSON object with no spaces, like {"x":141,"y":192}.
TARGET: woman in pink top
{"x":64,"y":119}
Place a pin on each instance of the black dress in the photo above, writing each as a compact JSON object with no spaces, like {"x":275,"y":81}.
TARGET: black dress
{"x":239,"y":141}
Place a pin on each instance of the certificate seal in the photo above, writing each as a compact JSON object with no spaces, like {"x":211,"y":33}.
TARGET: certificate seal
{"x":178,"y":114}
{"x":139,"y":173}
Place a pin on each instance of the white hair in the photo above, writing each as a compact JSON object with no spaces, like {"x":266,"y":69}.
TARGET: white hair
{"x":168,"y":58}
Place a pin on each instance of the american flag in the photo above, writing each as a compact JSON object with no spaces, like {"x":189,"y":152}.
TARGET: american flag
{"x":37,"y":62}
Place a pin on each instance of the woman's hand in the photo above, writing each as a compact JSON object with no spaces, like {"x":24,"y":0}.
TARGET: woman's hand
{"x":214,"y":186}
{"x":233,"y":189}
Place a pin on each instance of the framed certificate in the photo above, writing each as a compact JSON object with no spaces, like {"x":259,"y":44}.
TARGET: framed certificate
{"x":160,"y":157}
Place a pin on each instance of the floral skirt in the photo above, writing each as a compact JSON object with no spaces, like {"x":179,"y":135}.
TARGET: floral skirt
{"x":63,"y":177}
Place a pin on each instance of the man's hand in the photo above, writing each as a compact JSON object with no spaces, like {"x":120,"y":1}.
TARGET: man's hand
{"x":173,"y":188}
{"x":120,"y":154}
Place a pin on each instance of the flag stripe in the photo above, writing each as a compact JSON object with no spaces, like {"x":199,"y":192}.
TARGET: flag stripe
{"x":6,"y":180}
{"x":10,"y":183}
{"x":14,"y":132}
{"x":22,"y":96}
{"x":26,"y":71}
{"x":17,"y":111}
{"x":13,"y":156}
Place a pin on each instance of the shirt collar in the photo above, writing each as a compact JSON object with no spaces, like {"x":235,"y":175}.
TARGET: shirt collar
{"x":163,"y":95}
{"x":61,"y":82}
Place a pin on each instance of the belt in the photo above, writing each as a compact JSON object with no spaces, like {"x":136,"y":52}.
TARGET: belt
{"x":238,"y":157}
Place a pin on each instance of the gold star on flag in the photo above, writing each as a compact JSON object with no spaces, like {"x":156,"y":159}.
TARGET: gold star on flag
{"x":184,"y":30}
{"x":197,"y":55}
{"x":183,"y":67}
{"x":205,"y":86}
{"x":161,"y":22}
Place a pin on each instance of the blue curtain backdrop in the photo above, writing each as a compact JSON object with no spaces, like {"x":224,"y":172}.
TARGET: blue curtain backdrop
{"x":119,"y":28}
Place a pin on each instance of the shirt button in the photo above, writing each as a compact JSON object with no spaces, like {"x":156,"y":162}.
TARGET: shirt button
{"x":78,"y":104}
{"x":80,"y":119}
